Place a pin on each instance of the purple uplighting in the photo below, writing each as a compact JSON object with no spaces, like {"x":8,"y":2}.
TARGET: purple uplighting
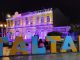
{"x":28,"y":25}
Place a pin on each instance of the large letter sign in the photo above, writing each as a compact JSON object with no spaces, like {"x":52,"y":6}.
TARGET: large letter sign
{"x":15,"y":48}
{"x":35,"y":49}
{"x":68,"y":44}
{"x":19,"y":46}
{"x":53,"y":40}
{"x":1,"y":46}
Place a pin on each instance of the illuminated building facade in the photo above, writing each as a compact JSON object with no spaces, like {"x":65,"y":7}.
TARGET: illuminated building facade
{"x":30,"y":24}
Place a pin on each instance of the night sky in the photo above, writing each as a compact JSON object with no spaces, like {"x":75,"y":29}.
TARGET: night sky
{"x":70,"y":8}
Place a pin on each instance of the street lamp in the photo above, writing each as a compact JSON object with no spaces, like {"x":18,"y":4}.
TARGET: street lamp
{"x":5,"y":25}
{"x":1,"y":25}
{"x":8,"y":15}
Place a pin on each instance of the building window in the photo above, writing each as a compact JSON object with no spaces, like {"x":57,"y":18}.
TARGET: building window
{"x":31,"y":20}
{"x":11,"y":23}
{"x":48,"y":19}
{"x":8,"y":23}
{"x":42,"y":19}
{"x":26,"y":20}
{"x":17,"y":23}
{"x":37,"y":20}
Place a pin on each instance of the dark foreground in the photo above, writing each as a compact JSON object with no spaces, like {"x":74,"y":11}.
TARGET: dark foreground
{"x":63,"y":56}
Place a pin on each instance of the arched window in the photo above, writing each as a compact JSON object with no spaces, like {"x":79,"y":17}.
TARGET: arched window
{"x":42,"y":19}
{"x":48,"y":19}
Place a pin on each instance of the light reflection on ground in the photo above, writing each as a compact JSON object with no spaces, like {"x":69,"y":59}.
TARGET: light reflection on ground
{"x":63,"y":56}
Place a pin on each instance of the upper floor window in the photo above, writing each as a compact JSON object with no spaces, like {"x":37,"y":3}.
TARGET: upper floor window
{"x":31,"y":20}
{"x":26,"y":20}
{"x":48,"y":19}
{"x":42,"y":19}
{"x":17,"y":22}
{"x":11,"y":23}
{"x":37,"y":20}
{"x":8,"y":23}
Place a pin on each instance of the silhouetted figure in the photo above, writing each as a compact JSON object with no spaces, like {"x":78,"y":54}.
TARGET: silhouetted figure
{"x":40,"y":43}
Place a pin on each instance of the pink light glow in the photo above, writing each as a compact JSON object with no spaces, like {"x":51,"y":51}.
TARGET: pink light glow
{"x":25,"y":37}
